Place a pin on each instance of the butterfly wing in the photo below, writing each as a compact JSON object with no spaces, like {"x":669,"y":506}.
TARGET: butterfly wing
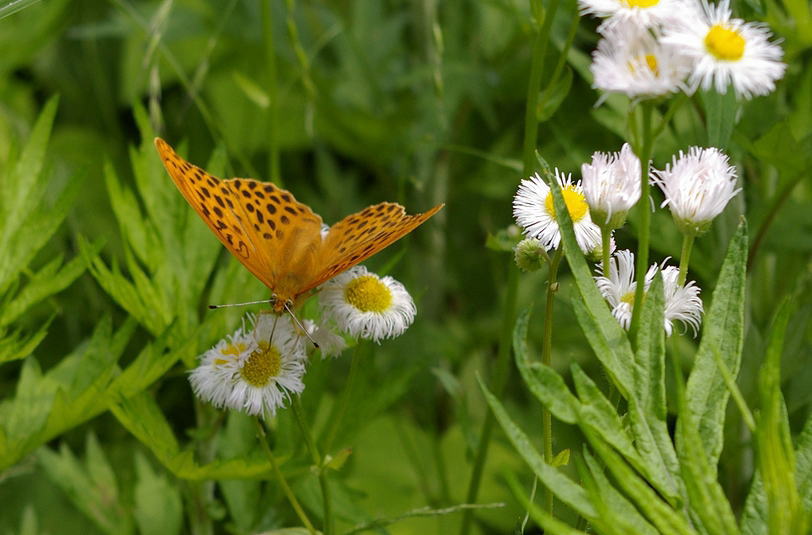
{"x":361,"y":235}
{"x":265,"y":227}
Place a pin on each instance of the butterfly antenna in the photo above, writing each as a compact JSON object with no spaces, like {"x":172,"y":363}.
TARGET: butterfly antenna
{"x":273,"y":329}
{"x":299,"y":323}
{"x":241,"y":304}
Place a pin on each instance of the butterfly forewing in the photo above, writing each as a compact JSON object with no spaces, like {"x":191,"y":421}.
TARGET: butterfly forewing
{"x":361,"y":235}
{"x":262,"y":225}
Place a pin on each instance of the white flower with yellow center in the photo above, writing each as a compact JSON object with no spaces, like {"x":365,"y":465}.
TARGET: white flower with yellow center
{"x":726,"y":51}
{"x":682,"y":303}
{"x":611,"y":186}
{"x":634,"y":62}
{"x":253,"y":373}
{"x":534,"y":211}
{"x":367,"y":306}
{"x":330,"y":343}
{"x":641,"y":13}
{"x":619,"y":286}
{"x":697,"y":187}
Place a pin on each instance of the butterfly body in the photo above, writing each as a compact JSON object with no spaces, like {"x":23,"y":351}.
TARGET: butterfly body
{"x":278,"y":239}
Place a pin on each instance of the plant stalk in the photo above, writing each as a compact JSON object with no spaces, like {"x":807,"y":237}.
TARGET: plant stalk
{"x":281,"y":478}
{"x":547,"y":360}
{"x":644,"y":150}
{"x":307,"y":434}
{"x":684,"y":259}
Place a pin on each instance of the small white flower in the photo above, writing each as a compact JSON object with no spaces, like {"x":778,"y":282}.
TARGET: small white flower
{"x":534,"y":211}
{"x":635,"y":62}
{"x":697,"y":187}
{"x":366,"y":305}
{"x":640,"y":13}
{"x":611,"y":186}
{"x":682,"y":303}
{"x":619,"y":286}
{"x":254,"y":373}
{"x":330,"y":343}
{"x":725,"y":50}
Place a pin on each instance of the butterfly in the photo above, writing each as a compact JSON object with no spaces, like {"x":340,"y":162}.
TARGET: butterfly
{"x":279,"y":239}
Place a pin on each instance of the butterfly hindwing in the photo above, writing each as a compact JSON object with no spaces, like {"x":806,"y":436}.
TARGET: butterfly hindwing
{"x":363,"y":234}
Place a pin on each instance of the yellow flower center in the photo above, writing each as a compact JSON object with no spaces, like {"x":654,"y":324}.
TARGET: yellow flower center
{"x":233,"y":350}
{"x":368,"y":294}
{"x":262,"y":364}
{"x":575,"y":201}
{"x":650,"y":60}
{"x":725,"y":43}
{"x":628,"y":298}
{"x":641,"y":3}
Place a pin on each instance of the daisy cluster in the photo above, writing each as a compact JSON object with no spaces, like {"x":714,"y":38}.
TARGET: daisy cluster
{"x":652,"y":48}
{"x":697,"y":186}
{"x":258,"y":367}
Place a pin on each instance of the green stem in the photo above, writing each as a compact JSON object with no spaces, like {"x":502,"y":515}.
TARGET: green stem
{"x":273,"y":94}
{"x":684,"y":259}
{"x":542,"y":37}
{"x":499,"y":383}
{"x":606,"y":244}
{"x":547,"y":359}
{"x":644,"y":153}
{"x":307,"y":434}
{"x":281,"y":479}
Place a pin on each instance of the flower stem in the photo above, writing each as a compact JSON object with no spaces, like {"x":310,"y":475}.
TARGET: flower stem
{"x":307,"y":433}
{"x":542,"y":21}
{"x":547,"y":359}
{"x":499,"y":383}
{"x":644,"y":151}
{"x":687,"y":245}
{"x":606,"y":253}
{"x":281,"y":479}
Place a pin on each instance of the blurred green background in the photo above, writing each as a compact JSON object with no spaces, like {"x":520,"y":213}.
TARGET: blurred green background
{"x":349,"y":103}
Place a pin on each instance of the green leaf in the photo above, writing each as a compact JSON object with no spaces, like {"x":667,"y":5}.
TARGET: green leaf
{"x":720,"y":112}
{"x":548,"y":522}
{"x":554,"y":95}
{"x":542,"y":381}
{"x":564,"y":488}
{"x":705,"y":495}
{"x":706,"y":392}
{"x":617,"y":514}
{"x":91,"y":485}
{"x":776,"y":459}
{"x":660,"y":514}
{"x":158,"y":507}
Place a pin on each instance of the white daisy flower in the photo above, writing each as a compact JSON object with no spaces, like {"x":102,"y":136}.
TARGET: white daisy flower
{"x":534,"y":211}
{"x":682,"y":303}
{"x":725,"y":50}
{"x":640,"y":13}
{"x":366,"y":305}
{"x":611,"y":186}
{"x":634,"y":62}
{"x":254,"y":373}
{"x":697,"y":187}
{"x":330,"y":343}
{"x":619,"y":286}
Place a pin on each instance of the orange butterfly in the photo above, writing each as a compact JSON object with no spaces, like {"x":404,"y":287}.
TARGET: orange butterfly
{"x":278,"y":238}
